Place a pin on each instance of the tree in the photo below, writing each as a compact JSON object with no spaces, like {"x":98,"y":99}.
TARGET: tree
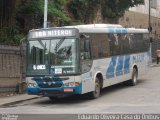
{"x":35,"y":9}
{"x":85,"y":10}
{"x":19,"y":16}
{"x":7,"y":12}
{"x":114,"y":9}
{"x":8,"y":32}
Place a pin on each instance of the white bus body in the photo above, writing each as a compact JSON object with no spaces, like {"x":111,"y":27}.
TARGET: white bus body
{"x":116,"y":60}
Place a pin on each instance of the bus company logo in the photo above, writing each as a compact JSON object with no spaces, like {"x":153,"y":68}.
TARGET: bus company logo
{"x":49,"y":83}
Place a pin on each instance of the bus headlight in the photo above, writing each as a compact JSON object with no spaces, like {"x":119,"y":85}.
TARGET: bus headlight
{"x":71,"y":84}
{"x":32,"y":85}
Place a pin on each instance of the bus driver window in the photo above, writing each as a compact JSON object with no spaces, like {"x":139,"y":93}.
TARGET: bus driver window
{"x":85,"y":47}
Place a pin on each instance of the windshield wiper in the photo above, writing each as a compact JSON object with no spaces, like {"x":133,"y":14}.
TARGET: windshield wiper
{"x":59,"y":44}
{"x":41,"y":43}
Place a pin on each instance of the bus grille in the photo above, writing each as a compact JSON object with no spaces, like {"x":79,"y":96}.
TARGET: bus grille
{"x":50,"y":85}
{"x":51,"y":92}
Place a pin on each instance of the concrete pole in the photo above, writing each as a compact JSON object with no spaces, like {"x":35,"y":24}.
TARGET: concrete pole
{"x":149,"y":21}
{"x":45,"y":13}
{"x":150,"y":32}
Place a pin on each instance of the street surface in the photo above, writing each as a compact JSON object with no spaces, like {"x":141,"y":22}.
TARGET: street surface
{"x":143,"y":98}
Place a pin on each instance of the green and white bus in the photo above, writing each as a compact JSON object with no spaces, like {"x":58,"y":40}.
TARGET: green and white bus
{"x":83,"y":59}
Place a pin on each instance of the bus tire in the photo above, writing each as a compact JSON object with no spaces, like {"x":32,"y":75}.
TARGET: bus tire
{"x":133,"y":80}
{"x":96,"y":93}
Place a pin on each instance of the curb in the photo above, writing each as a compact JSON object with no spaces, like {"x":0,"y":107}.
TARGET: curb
{"x":7,"y":104}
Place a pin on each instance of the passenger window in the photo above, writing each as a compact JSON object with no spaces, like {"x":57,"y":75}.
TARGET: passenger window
{"x":100,"y":46}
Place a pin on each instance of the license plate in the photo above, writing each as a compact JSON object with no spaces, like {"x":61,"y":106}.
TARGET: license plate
{"x":68,"y":89}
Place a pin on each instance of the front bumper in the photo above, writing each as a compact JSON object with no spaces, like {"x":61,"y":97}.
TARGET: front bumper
{"x":63,"y":91}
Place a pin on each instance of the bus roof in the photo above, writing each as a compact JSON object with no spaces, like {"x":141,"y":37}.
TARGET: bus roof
{"x":98,"y":28}
{"x":137,"y":30}
{"x":106,"y":28}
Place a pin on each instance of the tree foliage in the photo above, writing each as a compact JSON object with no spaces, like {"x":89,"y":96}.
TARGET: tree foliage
{"x":114,"y":9}
{"x":85,"y":10}
{"x":26,"y":15}
{"x":36,"y":8}
{"x":9,"y":33}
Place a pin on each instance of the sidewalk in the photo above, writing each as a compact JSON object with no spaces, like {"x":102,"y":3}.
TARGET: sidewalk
{"x":155,"y":65}
{"x":17,"y":98}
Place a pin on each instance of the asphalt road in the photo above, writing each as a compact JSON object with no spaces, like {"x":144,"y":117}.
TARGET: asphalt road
{"x":144,"y":98}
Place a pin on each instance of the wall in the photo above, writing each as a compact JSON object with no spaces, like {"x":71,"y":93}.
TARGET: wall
{"x":11,"y":68}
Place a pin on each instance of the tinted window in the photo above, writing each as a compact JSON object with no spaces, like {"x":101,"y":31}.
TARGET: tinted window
{"x":115,"y":44}
{"x":85,"y":47}
{"x":85,"y":43}
{"x":139,"y":42}
{"x":100,"y":46}
{"x":127,"y":43}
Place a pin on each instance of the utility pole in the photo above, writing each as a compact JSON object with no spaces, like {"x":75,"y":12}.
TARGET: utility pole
{"x":150,"y":32}
{"x":45,"y":13}
{"x":149,"y":18}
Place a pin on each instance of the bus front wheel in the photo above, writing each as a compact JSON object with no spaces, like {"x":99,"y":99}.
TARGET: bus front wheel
{"x":96,"y":93}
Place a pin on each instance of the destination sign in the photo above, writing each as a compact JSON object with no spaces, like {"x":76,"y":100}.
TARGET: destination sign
{"x":47,"y":33}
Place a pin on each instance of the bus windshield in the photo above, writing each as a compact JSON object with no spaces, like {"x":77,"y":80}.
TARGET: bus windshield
{"x":53,"y":57}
